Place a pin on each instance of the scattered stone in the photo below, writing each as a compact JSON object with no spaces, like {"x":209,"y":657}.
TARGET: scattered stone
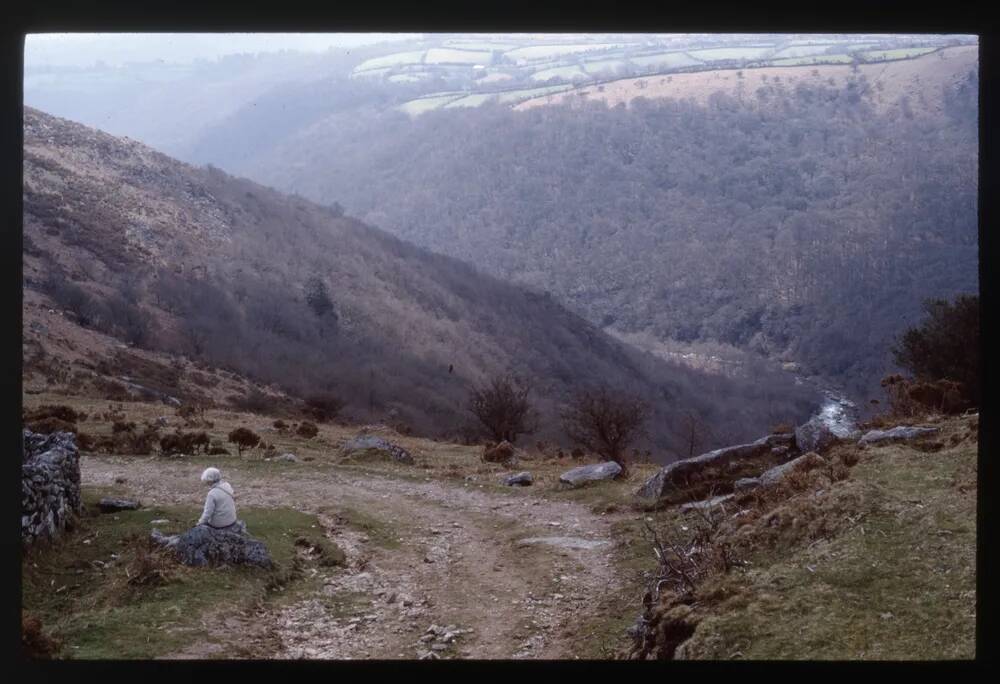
{"x":429,"y":655}
{"x":159,"y":521}
{"x":290,"y":458}
{"x":898,"y":433}
{"x":745,"y":484}
{"x":439,"y":647}
{"x":114,"y":505}
{"x":593,"y":472}
{"x":522,"y":479}
{"x":372,"y":446}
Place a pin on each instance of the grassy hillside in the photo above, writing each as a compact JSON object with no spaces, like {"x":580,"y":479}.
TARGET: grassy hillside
{"x":193,"y":262}
{"x":878,"y":563}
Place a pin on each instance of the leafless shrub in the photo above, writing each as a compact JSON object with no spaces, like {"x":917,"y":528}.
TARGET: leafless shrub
{"x":606,"y":421}
{"x":503,"y":408}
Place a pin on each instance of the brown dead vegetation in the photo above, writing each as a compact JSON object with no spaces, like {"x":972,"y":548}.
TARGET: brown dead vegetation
{"x":35,"y":643}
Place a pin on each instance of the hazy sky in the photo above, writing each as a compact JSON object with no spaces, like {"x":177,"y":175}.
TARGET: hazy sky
{"x":84,"y":49}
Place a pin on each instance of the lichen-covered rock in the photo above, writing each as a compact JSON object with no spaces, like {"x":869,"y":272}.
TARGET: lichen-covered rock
{"x":522,"y":479}
{"x":814,"y":435}
{"x":745,"y":484}
{"x":676,"y":474}
{"x":50,"y":485}
{"x":802,"y":463}
{"x":372,"y":446}
{"x":896,"y":434}
{"x":590,"y":473}
{"x":203,"y":545}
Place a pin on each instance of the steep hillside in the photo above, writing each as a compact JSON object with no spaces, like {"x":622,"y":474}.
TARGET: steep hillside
{"x":871,"y":558}
{"x":192,"y":261}
{"x":782,"y":222}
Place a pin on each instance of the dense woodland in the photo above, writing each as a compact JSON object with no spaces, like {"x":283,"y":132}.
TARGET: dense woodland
{"x":800,"y":223}
{"x":295,"y":294}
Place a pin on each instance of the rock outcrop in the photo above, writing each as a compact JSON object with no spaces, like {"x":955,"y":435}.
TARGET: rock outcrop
{"x":896,"y":434}
{"x":372,"y":446}
{"x":50,"y":485}
{"x":203,"y":545}
{"x":592,"y":472}
{"x":814,"y":435}
{"x":779,"y":472}
{"x":677,"y":474}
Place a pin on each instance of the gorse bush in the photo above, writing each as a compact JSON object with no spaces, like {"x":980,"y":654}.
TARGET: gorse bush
{"x":307,"y":430}
{"x":244,"y":438}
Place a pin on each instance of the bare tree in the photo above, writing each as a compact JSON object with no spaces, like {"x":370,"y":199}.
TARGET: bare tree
{"x":605,"y":421}
{"x":502,"y":406}
{"x":695,"y":431}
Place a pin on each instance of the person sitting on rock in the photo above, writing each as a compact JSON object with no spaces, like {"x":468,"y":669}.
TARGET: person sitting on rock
{"x":220,"y":504}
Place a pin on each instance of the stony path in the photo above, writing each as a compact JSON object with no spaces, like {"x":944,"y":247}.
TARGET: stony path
{"x":462,"y":563}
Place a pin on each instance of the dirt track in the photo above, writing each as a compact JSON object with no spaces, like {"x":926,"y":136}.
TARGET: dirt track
{"x":460,"y":561}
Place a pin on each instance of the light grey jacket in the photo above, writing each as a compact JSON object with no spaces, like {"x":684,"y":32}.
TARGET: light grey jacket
{"x":220,"y":506}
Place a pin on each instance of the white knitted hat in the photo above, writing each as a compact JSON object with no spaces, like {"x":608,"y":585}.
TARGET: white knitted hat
{"x":211,"y":475}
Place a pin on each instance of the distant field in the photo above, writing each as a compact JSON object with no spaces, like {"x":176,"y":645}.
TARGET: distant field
{"x":901,"y":53}
{"x":803,"y":50}
{"x":894,"y":79}
{"x":714,"y":54}
{"x":518,"y":95}
{"x":818,"y":59}
{"x":495,"y":77}
{"x":605,"y":65}
{"x":471,"y":100}
{"x":665,"y":60}
{"x":371,"y":73}
{"x":409,"y":78}
{"x":452,"y":100}
{"x":426,"y":104}
{"x":450,"y":56}
{"x":548,"y":51}
{"x":395,"y":59}
{"x":559,"y":72}
{"x":479,"y":45}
